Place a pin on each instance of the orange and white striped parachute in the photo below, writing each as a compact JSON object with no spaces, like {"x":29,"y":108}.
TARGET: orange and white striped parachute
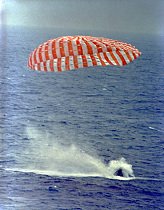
{"x":72,"y":52}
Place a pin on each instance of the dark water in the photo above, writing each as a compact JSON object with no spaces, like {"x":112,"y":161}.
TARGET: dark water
{"x":63,"y":135}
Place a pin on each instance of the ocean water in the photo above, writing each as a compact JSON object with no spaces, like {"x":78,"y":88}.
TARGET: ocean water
{"x":64,"y":135}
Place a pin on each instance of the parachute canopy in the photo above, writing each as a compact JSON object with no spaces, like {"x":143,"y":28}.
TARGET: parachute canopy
{"x":71,"y":52}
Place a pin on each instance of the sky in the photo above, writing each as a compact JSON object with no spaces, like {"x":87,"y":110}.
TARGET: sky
{"x":142,"y":16}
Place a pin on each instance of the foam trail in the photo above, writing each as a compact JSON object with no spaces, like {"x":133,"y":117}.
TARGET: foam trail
{"x":156,"y":129}
{"x":62,"y":160}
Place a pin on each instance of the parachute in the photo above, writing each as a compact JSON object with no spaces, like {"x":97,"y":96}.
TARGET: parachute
{"x":72,"y":52}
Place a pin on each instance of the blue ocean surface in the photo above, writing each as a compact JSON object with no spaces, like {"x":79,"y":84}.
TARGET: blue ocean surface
{"x":64,"y":135}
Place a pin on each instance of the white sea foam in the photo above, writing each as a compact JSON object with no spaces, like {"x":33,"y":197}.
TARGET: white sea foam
{"x":60,"y":160}
{"x":152,"y":128}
